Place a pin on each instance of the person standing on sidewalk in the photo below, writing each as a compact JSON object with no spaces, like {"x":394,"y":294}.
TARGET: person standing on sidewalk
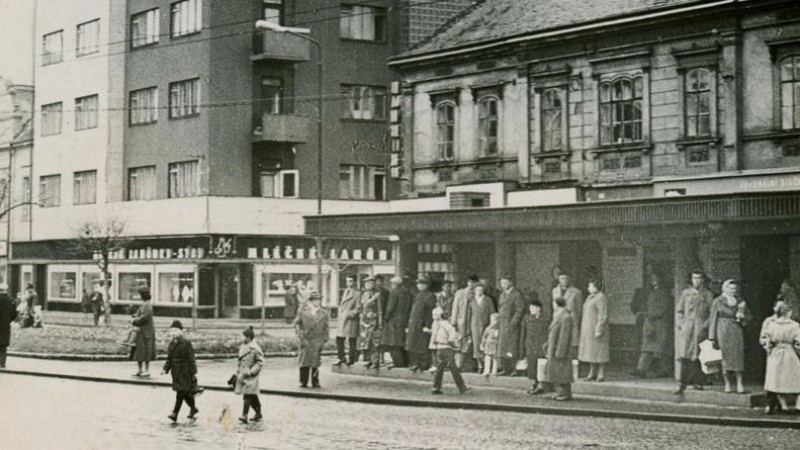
{"x":533,"y":341}
{"x":311,"y":326}
{"x":96,"y":303}
{"x":251,"y":360}
{"x":594,"y":348}
{"x":443,"y":339}
{"x":419,"y":327}
{"x":574,"y":298}
{"x":728,"y":317}
{"x":655,"y":316}
{"x":692,"y":310}
{"x":396,"y":318}
{"x":460,"y":318}
{"x":559,"y":346}
{"x":290,"y":303}
{"x":35,"y":308}
{"x":181,"y":364}
{"x":7,"y":315}
{"x":781,"y":339}
{"x":347,"y":323}
{"x":511,"y":310}
{"x":145,"y":348}
{"x":371,"y":324}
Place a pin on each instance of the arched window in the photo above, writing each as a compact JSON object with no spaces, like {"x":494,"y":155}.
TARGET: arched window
{"x":488,"y":125}
{"x":445,"y":130}
{"x":621,"y":111}
{"x":790,"y":93}
{"x":552,"y":120}
{"x":697,"y":102}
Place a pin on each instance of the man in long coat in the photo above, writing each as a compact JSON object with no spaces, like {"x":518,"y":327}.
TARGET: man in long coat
{"x":396,"y":317}
{"x":655,"y":330}
{"x":693,"y":310}
{"x":419,"y":327}
{"x":460,"y":319}
{"x":371,"y":325}
{"x":512,"y":309}
{"x":347,"y":323}
{"x":574,"y":302}
{"x":559,"y":346}
{"x":312,"y":328}
{"x":8,"y":314}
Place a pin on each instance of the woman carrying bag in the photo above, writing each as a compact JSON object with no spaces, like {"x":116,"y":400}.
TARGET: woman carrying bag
{"x":251,"y":359}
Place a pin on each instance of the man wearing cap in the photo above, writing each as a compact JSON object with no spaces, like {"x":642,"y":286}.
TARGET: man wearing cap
{"x":419,"y":327}
{"x":460,"y":318}
{"x":7,"y":315}
{"x":574,"y":299}
{"x":371,"y":325}
{"x":512,"y":309}
{"x":311,"y":325}
{"x":396,"y":321}
{"x":181,"y":364}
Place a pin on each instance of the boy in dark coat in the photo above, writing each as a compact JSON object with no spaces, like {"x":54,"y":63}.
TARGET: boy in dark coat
{"x":180,"y":362}
{"x":534,"y":339}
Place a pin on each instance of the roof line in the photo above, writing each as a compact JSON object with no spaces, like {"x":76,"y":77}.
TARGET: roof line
{"x":556,"y":32}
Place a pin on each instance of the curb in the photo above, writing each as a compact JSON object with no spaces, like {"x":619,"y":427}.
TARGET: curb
{"x":160,"y":357}
{"x":545,"y":410}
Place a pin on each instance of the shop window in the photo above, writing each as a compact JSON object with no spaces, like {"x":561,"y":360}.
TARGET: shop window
{"x":145,"y":28}
{"x":446,"y":130}
{"x":184,"y":179}
{"x":176,"y":287}
{"x":129,"y":284}
{"x":63,"y":285}
{"x":89,"y":281}
{"x":488,"y":125}
{"x":697,"y":102}
{"x":87,"y":36}
{"x":275,"y":285}
{"x":362,"y":23}
{"x":621,"y":111}
{"x":280,"y":184}
{"x":187,"y":17}
{"x":53,"y":48}
{"x":790,"y":92}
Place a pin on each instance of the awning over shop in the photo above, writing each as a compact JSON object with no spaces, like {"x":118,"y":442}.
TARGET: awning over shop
{"x":632,"y":213}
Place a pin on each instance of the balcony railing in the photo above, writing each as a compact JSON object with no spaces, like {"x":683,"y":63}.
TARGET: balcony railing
{"x":282,"y":128}
{"x":269,"y":45}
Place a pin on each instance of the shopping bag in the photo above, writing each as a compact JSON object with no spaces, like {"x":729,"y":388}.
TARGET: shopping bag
{"x":710,"y":358}
{"x":522,"y":365}
{"x":130,"y":340}
{"x":541,"y":370}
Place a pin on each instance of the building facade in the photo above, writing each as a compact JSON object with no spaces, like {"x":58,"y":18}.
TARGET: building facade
{"x":630,"y":136}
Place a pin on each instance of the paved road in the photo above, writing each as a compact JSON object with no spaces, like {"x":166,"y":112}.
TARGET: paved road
{"x":41,"y":413}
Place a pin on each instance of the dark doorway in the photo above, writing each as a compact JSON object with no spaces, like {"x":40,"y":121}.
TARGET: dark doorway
{"x":229,"y":291}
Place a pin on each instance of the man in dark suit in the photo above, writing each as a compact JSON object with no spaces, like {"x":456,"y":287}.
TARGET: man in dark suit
{"x":396,"y":317}
{"x":8,"y":313}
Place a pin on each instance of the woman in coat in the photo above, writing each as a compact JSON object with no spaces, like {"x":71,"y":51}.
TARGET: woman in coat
{"x":781,"y":339}
{"x":251,"y":360}
{"x":594,"y":343}
{"x":370,"y":327}
{"x":419,"y":327}
{"x":181,"y":364}
{"x":559,"y":345}
{"x":729,"y":315}
{"x":145,"y":348}
{"x":311,"y":325}
{"x":481,"y":308}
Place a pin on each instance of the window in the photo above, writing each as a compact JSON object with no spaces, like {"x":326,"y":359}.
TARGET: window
{"x":445,"y":130}
{"x":130,"y":283}
{"x":51,"y":119}
{"x":142,"y":183}
{"x":362,"y":23}
{"x":273,"y":11}
{"x":145,"y":28}
{"x":53,"y":48}
{"x":63,"y":285}
{"x":144,"y":106}
{"x":50,"y":191}
{"x":280,"y":184}
{"x":25,"y":214}
{"x":184,"y":98}
{"x":552,"y":116}
{"x":87,"y":38}
{"x":362,"y":182}
{"x":184,"y":179}
{"x":621,"y":111}
{"x":488,"y":120}
{"x":365,"y":102}
{"x":697,"y":92}
{"x":187,"y":17}
{"x":86,"y":112}
{"x":790,"y":93}
{"x":84,"y":189}
{"x":176,"y":287}
{"x":272,"y":95}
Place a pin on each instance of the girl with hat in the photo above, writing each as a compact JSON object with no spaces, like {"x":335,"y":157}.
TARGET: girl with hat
{"x":311,"y":325}
{"x":181,"y":364}
{"x":251,"y":359}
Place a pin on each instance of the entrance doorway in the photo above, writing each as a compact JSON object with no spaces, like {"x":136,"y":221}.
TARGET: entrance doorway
{"x":230,"y":290}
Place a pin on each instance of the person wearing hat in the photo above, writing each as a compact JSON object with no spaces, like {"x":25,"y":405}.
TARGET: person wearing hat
{"x":396,"y":320}
{"x":512,"y":309}
{"x":594,"y":347}
{"x":419,"y":327}
{"x":145,"y":346}
{"x":371,"y":325}
{"x":181,"y":364}
{"x":574,"y":298}
{"x":347,"y":323}
{"x":311,"y":326}
{"x":460,"y":318}
{"x":445,"y":298}
{"x":251,"y":360}
{"x":8,"y":314}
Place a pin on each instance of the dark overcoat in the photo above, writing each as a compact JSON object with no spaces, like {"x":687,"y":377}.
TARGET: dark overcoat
{"x":145,"y":350}
{"x":313,"y":333}
{"x":181,"y":364}
{"x":8,"y":314}
{"x":417,"y":340}
{"x":534,"y":337}
{"x":559,"y":343}
{"x":398,"y":309}
{"x":511,"y":310}
{"x":289,"y":305}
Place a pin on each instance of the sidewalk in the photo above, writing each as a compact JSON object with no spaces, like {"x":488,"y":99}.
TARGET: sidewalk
{"x":279,"y":377}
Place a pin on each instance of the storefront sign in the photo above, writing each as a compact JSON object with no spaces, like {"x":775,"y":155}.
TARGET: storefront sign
{"x":223,"y":246}
{"x":310,"y":253}
{"x":155,"y":253}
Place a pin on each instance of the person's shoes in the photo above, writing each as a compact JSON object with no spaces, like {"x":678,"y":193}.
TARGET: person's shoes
{"x":590,"y":378}
{"x":637,"y":374}
{"x":338,"y":363}
{"x":698,"y":387}
{"x":436,"y":392}
{"x":413,"y":369}
{"x":390,"y":366}
{"x":562,"y":398}
{"x":145,"y":375}
{"x":137,"y":375}
{"x":368,"y":365}
{"x":680,"y":390}
{"x":173,"y":417}
{"x":740,"y":390}
{"x":350,"y":363}
{"x":243,"y":419}
{"x":501,"y":374}
{"x":486,"y":373}
{"x":535,"y":391}
{"x":198,"y":392}
{"x":465,"y":390}
{"x":601,"y":379}
{"x":193,"y":413}
{"x":257,"y":417}
{"x":304,"y":386}
{"x":316,"y":386}
{"x":513,"y":374}
{"x":432,"y":370}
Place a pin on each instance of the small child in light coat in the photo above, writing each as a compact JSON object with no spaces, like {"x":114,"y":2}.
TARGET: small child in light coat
{"x":491,"y":335}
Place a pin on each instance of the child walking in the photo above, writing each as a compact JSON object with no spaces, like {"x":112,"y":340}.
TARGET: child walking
{"x":180,"y":362}
{"x":443,"y":338}
{"x":491,"y":335}
{"x":251,"y":360}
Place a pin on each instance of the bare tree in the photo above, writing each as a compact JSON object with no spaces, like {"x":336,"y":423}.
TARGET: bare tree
{"x":101,"y":240}
{"x":7,"y":203}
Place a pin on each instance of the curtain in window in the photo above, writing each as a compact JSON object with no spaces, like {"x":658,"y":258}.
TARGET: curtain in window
{"x":184,"y":98}
{"x":487,"y":126}
{"x":50,"y":190}
{"x":85,"y":188}
{"x":86,"y":112}
{"x":142,"y":183}
{"x":445,"y":130}
{"x":183,"y":179}
{"x":144,"y":106}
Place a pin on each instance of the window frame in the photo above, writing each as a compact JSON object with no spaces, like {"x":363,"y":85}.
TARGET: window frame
{"x":77,"y":180}
{"x":44,"y":182}
{"x":78,"y":35}
{"x":199,"y":20}
{"x":154,"y":181}
{"x":613,"y":105}
{"x":156,"y":34}
{"x":172,"y":167}
{"x":380,"y":22}
{"x":278,"y":183}
{"x":361,"y":182}
{"x":440,"y":155}
{"x":46,"y":115}
{"x":195,"y":109}
{"x":795,"y":83}
{"x":47,"y":57}
{"x":281,"y":97}
{"x":93,"y":114}
{"x":152,"y":109}
{"x":378,"y":102}
{"x":562,"y":93}
{"x":270,"y":4}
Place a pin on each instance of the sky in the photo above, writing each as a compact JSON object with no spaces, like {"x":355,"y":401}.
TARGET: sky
{"x":16,"y":43}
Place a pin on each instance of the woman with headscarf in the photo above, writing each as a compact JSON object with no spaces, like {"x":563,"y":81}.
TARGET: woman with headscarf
{"x":781,"y":339}
{"x":594,"y":342}
{"x":729,"y":315}
{"x":251,"y":360}
{"x":145,"y":344}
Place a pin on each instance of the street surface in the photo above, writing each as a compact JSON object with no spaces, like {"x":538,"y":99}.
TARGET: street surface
{"x":45,"y":413}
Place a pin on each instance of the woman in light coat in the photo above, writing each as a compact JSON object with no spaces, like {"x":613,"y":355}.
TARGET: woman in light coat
{"x":781,"y":339}
{"x":594,"y":342}
{"x":729,"y":315}
{"x":251,"y":360}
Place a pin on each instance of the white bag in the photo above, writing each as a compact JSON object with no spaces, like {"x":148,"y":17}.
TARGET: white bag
{"x":541,"y":370}
{"x":710,"y":358}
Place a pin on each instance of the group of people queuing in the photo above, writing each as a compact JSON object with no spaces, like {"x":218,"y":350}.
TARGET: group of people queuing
{"x":24,"y":309}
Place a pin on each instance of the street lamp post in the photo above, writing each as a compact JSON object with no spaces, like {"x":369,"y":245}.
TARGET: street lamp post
{"x":303,"y":34}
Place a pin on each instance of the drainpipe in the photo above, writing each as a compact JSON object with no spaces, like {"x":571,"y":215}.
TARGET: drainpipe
{"x":738,"y":81}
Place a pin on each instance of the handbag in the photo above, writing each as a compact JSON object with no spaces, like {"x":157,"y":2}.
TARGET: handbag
{"x":522,"y":365}
{"x":710,"y":358}
{"x":130,"y":340}
{"x":232,"y":381}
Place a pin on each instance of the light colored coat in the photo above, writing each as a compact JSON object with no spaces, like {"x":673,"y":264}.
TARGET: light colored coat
{"x":782,"y":337}
{"x":728,"y":331}
{"x":574,"y":298}
{"x":693,"y":310}
{"x":347,"y":321}
{"x":313,"y":333}
{"x":460,"y":317}
{"x":594,"y":346}
{"x":248,"y":371}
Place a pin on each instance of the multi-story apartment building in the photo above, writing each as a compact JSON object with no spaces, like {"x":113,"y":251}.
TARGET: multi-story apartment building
{"x":197,"y":132}
{"x":631,"y":136}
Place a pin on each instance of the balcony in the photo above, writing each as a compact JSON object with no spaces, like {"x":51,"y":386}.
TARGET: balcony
{"x":282,"y":128}
{"x":271,"y":46}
